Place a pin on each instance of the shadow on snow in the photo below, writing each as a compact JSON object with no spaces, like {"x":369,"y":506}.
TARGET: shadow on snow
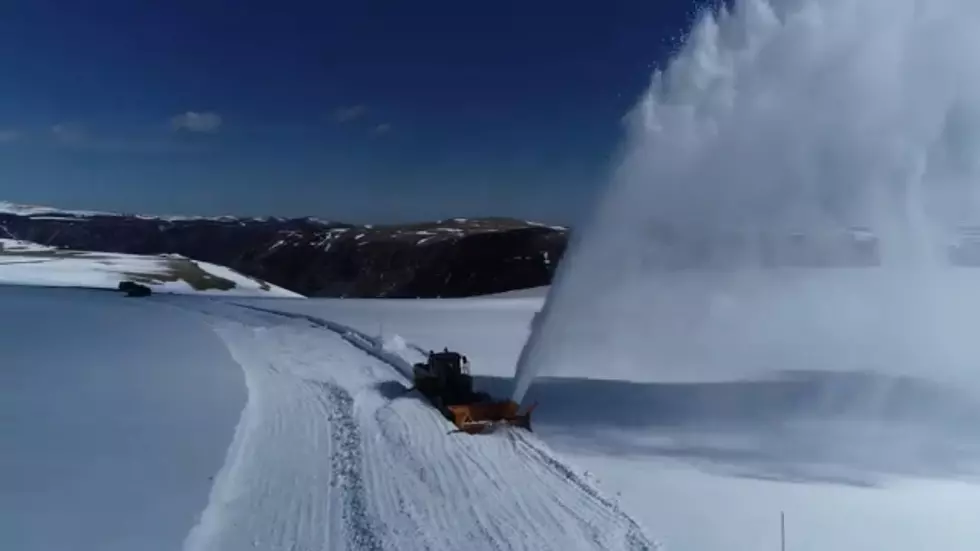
{"x":845,"y":428}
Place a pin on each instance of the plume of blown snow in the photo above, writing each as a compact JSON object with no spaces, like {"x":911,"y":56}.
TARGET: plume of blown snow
{"x":777,"y":117}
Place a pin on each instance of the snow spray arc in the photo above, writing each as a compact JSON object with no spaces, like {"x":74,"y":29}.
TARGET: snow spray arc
{"x":782,"y":116}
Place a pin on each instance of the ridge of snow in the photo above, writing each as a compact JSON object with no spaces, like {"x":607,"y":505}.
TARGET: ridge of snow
{"x":6,"y":207}
{"x":550,"y":226}
{"x":40,"y":212}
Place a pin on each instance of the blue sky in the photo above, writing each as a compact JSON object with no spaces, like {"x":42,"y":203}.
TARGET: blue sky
{"x":362,"y":111}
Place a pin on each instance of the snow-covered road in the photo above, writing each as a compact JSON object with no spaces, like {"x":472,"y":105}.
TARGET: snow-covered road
{"x":330,"y":453}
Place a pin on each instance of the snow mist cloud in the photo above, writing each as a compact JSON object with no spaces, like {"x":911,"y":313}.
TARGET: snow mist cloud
{"x":807,"y":117}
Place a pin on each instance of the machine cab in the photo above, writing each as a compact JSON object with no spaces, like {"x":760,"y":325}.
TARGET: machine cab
{"x":448,"y":362}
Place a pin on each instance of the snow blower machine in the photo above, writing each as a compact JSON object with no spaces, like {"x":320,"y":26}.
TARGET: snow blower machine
{"x":445,"y":380}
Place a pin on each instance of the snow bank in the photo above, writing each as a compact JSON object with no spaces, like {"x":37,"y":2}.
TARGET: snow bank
{"x":117,"y":413}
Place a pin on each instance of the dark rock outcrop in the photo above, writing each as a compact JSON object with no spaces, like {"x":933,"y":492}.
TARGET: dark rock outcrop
{"x":133,"y":289}
{"x":449,"y":258}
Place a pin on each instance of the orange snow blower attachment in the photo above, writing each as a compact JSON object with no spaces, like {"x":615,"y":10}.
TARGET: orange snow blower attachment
{"x":444,"y":379}
{"x":480,"y":417}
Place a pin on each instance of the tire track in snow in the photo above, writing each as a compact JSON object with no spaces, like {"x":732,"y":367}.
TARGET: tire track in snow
{"x":428,"y":483}
{"x":293,"y":478}
{"x":635,"y":537}
{"x":366,"y":343}
{"x":347,"y":469}
{"x":501,"y":499}
{"x":255,"y":503}
{"x":405,"y":522}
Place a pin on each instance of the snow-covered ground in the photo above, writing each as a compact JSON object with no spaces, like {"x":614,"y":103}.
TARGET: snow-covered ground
{"x":27,"y":263}
{"x":117,"y":430}
{"x":116,"y":414}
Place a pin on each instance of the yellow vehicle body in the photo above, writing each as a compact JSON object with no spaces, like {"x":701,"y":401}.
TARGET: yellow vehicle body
{"x":480,"y":417}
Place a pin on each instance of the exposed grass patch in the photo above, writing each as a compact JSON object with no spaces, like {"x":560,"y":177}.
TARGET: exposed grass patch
{"x":159,"y":269}
{"x":181,"y":269}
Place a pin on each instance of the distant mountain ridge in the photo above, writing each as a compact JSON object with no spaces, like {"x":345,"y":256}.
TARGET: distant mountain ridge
{"x":447,"y":258}
{"x":456,"y":257}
